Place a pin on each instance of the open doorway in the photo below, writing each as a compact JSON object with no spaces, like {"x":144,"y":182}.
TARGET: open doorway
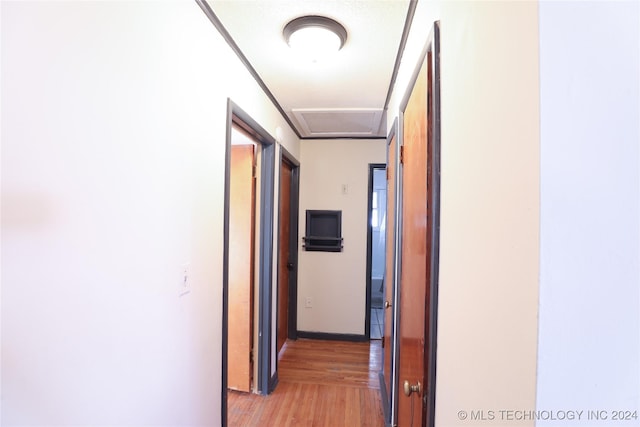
{"x":287,"y":249}
{"x":419,"y":216}
{"x":376,"y":244}
{"x":254,"y":216}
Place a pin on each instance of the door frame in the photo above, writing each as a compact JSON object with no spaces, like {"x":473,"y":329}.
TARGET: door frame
{"x":388,"y":401}
{"x":432,"y":46}
{"x":396,"y":274}
{"x":294,"y":207}
{"x":264,"y":213}
{"x":367,"y":317}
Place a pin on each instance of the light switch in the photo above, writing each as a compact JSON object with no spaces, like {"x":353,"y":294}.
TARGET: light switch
{"x":184,"y":285}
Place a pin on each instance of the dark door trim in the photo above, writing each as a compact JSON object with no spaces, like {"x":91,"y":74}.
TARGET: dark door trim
{"x":396,"y":273}
{"x":237,"y":116}
{"x":367,"y":317}
{"x":432,"y":329}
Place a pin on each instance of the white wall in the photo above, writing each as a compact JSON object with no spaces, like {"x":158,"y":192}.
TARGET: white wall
{"x":113,"y":130}
{"x":336,"y":282}
{"x":589,"y":344}
{"x":487,"y":323}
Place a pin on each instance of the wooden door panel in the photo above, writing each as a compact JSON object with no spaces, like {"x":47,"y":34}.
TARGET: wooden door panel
{"x":284,"y":256}
{"x":415,"y":256}
{"x":241,"y":248}
{"x":388,"y":271}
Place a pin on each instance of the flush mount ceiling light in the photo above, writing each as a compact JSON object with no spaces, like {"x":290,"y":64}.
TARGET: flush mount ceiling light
{"x":315,"y":36}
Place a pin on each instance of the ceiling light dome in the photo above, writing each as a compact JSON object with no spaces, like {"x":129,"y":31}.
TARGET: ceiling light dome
{"x":315,"y":36}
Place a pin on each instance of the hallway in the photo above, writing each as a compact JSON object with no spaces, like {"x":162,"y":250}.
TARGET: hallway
{"x":117,"y":120}
{"x":322,"y":383}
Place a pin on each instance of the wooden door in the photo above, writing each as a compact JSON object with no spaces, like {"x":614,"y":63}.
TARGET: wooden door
{"x":415,"y":249}
{"x":241,"y":267}
{"x":284,"y":256}
{"x":389,"y":265}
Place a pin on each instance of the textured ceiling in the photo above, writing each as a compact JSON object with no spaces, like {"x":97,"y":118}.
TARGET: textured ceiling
{"x":355,"y":80}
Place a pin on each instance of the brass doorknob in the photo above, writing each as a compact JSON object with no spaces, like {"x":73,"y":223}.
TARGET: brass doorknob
{"x":408,"y":388}
{"x":387,"y":304}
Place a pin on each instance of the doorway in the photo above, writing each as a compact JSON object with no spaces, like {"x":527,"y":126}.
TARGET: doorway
{"x":287,"y":249}
{"x":240,"y":123}
{"x":419,"y":235}
{"x":376,"y":244}
{"x":389,"y":339}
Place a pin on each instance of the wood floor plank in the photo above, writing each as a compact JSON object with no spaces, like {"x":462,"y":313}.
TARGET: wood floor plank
{"x":321,"y":383}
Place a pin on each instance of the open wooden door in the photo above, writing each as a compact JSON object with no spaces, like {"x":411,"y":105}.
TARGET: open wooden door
{"x":285,"y":263}
{"x":413,"y":278}
{"x":241,"y":270}
{"x":419,"y":247}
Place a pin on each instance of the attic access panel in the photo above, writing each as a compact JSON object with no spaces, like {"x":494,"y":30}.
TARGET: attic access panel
{"x":323,"y":231}
{"x":336,"y":122}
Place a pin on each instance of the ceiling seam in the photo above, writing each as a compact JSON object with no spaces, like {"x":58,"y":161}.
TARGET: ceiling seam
{"x":204,"y":5}
{"x":403,"y":42}
{"x":341,"y":137}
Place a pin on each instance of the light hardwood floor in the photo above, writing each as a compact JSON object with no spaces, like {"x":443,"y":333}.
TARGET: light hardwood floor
{"x":322,"y":383}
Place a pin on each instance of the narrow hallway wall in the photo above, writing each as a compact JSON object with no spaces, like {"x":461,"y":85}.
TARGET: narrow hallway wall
{"x":113,"y":136}
{"x":489,"y":248}
{"x":589,"y":341}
